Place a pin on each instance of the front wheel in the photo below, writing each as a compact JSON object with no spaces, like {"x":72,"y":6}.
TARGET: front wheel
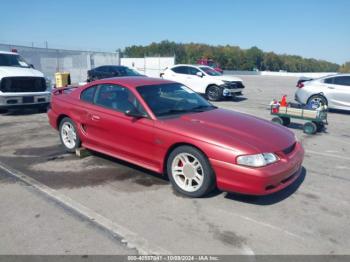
{"x":214,"y":93}
{"x":190,"y":172}
{"x":68,"y":135}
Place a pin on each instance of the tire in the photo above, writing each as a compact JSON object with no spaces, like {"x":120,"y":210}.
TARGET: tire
{"x":70,"y":141}
{"x":3,"y":111}
{"x":43,"y":109}
{"x":286,"y":121}
{"x":277,"y":120}
{"x":318,"y":99}
{"x":195,"y":177}
{"x":214,"y":93}
{"x":310,"y":128}
{"x":320,"y":126}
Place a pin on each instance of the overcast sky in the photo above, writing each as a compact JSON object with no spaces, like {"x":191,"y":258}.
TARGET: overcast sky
{"x":318,"y":29}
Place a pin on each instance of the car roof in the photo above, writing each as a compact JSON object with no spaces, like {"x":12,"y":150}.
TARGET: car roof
{"x":8,"y":53}
{"x":187,"y":65}
{"x":133,"y":81}
{"x":120,"y":66}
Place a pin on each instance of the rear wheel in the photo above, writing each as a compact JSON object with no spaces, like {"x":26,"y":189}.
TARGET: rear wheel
{"x":68,"y":135}
{"x":214,"y":93}
{"x":190,"y":172}
{"x":317,"y":101}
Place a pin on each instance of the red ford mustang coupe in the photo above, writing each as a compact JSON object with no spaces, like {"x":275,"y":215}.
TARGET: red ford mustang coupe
{"x":166,"y":127}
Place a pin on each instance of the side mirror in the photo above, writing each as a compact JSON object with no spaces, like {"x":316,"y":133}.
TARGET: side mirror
{"x":134,"y":113}
{"x":200,"y":74}
{"x":31,"y":66}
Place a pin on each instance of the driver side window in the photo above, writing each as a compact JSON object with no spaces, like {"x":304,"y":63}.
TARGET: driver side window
{"x":193,"y":71}
{"x":117,"y":98}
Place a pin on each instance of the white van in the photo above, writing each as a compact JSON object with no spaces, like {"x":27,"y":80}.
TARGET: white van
{"x":21,"y":86}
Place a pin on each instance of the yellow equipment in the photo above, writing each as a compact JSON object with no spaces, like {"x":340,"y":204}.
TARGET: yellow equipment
{"x":62,"y":79}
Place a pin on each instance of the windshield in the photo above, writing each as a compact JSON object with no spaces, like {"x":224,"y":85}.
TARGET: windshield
{"x":12,"y":60}
{"x":210,"y":71}
{"x":173,"y":99}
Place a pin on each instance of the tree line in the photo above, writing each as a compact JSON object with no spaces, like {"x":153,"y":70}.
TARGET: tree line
{"x":233,"y":57}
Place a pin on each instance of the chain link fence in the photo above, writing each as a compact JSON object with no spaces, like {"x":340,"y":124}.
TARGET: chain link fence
{"x":77,"y":63}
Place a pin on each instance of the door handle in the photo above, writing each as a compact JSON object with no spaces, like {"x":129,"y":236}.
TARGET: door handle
{"x":95,"y":118}
{"x":330,"y":87}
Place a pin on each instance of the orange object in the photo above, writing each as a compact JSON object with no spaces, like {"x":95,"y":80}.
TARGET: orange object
{"x":284,"y":101}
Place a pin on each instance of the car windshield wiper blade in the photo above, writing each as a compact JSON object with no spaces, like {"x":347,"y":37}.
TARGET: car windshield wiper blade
{"x":203,"y":108}
{"x":173,"y":111}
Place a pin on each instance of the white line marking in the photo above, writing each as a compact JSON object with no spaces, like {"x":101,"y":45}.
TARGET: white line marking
{"x":270,"y":226}
{"x":264,"y":224}
{"x":328,"y":155}
{"x":131,"y":239}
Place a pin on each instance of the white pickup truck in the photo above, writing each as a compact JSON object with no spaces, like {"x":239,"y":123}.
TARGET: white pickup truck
{"x":21,"y":86}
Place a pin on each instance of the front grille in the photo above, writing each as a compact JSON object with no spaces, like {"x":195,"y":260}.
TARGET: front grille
{"x":22,"y":84}
{"x":289,"y":150}
{"x":234,"y":84}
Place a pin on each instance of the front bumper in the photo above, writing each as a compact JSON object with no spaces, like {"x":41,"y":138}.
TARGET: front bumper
{"x":259,"y":181}
{"x":232,"y":91}
{"x":23,"y":100}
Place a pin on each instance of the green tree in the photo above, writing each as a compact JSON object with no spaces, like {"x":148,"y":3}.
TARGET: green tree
{"x":345,"y":68}
{"x":233,"y":57}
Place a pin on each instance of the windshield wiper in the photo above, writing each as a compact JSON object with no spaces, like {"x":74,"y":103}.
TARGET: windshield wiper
{"x":173,"y":111}
{"x":203,"y":108}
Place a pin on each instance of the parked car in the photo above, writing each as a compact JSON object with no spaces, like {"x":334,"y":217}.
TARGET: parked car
{"x":333,"y":91}
{"x":166,"y":127}
{"x":21,"y":86}
{"x":109,"y":71}
{"x":302,"y":80}
{"x":205,"y":80}
{"x":211,"y":63}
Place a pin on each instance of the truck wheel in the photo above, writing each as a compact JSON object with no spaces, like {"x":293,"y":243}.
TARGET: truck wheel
{"x":310,"y":128}
{"x":190,"y":172}
{"x":214,"y":93}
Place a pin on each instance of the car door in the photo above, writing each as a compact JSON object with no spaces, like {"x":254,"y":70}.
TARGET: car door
{"x":178,"y":74}
{"x":195,"y":82}
{"x":112,"y":132}
{"x":338,"y":91}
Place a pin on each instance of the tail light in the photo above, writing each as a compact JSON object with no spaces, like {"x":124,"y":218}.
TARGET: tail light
{"x":300,"y":85}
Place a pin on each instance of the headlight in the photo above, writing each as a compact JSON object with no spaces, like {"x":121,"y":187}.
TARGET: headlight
{"x":48,"y":83}
{"x":257,"y":160}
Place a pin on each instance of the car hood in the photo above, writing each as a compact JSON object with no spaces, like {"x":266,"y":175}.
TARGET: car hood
{"x":10,"y":71}
{"x":240,"y":132}
{"x":228,"y":78}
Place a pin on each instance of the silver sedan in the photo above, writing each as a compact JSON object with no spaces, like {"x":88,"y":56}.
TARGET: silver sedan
{"x":333,"y":91}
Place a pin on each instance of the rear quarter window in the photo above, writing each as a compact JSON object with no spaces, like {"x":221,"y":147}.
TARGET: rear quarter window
{"x":180,"y":70}
{"x":88,"y":95}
